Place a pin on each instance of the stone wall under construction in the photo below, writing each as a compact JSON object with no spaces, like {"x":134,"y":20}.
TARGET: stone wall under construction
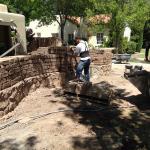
{"x":20,"y":75}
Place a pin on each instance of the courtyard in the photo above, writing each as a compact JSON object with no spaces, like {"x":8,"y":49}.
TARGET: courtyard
{"x":48,"y":119}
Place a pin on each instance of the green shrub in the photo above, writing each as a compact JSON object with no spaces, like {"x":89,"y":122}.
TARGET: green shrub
{"x":124,"y":44}
{"x":106,"y":42}
{"x":139,"y":43}
{"x":138,"y":38}
{"x":131,"y":48}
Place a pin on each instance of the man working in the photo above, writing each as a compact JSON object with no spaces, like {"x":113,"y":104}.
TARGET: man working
{"x":84,"y":64}
{"x":146,"y":37}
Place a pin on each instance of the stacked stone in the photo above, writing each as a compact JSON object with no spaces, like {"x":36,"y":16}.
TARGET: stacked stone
{"x":101,"y":63}
{"x":65,"y":58}
{"x":10,"y":97}
{"x":18,"y":69}
{"x":101,"y":57}
{"x":21,"y":74}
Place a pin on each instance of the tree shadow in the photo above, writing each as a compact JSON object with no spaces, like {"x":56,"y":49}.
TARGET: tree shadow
{"x":116,"y":127}
{"x":12,"y":144}
{"x":141,"y":101}
{"x":30,"y":142}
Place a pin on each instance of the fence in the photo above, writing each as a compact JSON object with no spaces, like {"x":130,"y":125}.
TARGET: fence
{"x":37,"y":42}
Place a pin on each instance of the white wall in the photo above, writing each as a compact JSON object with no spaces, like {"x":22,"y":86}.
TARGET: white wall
{"x":70,"y":28}
{"x":18,"y":21}
{"x":47,"y":30}
{"x":93,"y":41}
{"x":3,"y":8}
{"x":44,"y":30}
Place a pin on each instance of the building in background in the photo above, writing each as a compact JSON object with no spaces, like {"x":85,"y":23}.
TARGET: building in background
{"x":75,"y":26}
{"x":71,"y":29}
{"x":9,"y":22}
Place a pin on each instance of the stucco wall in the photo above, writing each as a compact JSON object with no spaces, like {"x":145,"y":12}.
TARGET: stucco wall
{"x":48,"y":30}
{"x":44,"y":30}
{"x":70,"y":29}
{"x":15,"y":20}
{"x":3,"y":8}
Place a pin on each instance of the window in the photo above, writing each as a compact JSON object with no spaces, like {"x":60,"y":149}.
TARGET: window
{"x":70,"y":38}
{"x":54,"y":34}
{"x":100,"y":38}
{"x":39,"y":34}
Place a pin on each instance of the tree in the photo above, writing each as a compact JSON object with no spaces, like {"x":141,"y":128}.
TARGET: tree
{"x":60,"y":10}
{"x":123,"y":13}
{"x":48,"y":11}
{"x":25,"y":7}
{"x":139,"y":14}
{"x":117,"y":10}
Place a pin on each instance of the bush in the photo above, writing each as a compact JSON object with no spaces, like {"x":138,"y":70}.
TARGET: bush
{"x":124,"y":45}
{"x":131,"y":48}
{"x":138,"y":38}
{"x":107,"y":42}
{"x":139,"y":44}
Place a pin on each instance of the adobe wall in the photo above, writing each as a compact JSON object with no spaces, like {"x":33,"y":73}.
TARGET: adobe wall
{"x":20,"y":75}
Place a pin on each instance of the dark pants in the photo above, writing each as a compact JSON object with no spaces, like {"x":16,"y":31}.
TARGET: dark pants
{"x":83,"y":65}
{"x":147,"y":47}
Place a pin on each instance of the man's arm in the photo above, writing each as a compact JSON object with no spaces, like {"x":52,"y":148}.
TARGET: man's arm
{"x":77,"y":50}
{"x":72,"y":52}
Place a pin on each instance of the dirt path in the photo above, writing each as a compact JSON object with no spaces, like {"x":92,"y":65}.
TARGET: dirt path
{"x":51,"y":132}
{"x":123,"y":126}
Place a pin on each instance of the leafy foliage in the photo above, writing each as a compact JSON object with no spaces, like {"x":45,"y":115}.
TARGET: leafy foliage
{"x":132,"y":13}
{"x":131,"y":47}
{"x":48,"y":11}
{"x":25,"y":7}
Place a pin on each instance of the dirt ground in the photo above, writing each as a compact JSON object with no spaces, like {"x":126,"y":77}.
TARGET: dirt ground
{"x":49,"y":120}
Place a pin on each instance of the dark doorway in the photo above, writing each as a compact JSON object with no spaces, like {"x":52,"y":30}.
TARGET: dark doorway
{"x":5,"y":39}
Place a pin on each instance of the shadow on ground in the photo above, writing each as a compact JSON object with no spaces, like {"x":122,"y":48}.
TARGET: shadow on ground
{"x":12,"y":144}
{"x":113,"y":128}
{"x":141,"y":101}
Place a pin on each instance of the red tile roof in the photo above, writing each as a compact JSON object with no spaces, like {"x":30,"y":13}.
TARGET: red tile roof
{"x":102,"y":18}
{"x":74,"y":20}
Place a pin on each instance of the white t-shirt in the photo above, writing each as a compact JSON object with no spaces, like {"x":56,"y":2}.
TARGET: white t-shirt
{"x":81,"y":47}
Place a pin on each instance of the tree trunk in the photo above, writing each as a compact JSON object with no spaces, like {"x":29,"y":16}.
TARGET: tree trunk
{"x":116,"y":39}
{"x":62,"y":32}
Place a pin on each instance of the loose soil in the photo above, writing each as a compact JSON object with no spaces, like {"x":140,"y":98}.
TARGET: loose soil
{"x":73,"y":123}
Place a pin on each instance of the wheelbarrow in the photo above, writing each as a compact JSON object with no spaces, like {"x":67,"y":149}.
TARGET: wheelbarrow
{"x":122,"y":57}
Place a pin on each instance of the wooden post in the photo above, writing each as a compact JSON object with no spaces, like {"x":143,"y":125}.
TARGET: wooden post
{"x":9,"y":50}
